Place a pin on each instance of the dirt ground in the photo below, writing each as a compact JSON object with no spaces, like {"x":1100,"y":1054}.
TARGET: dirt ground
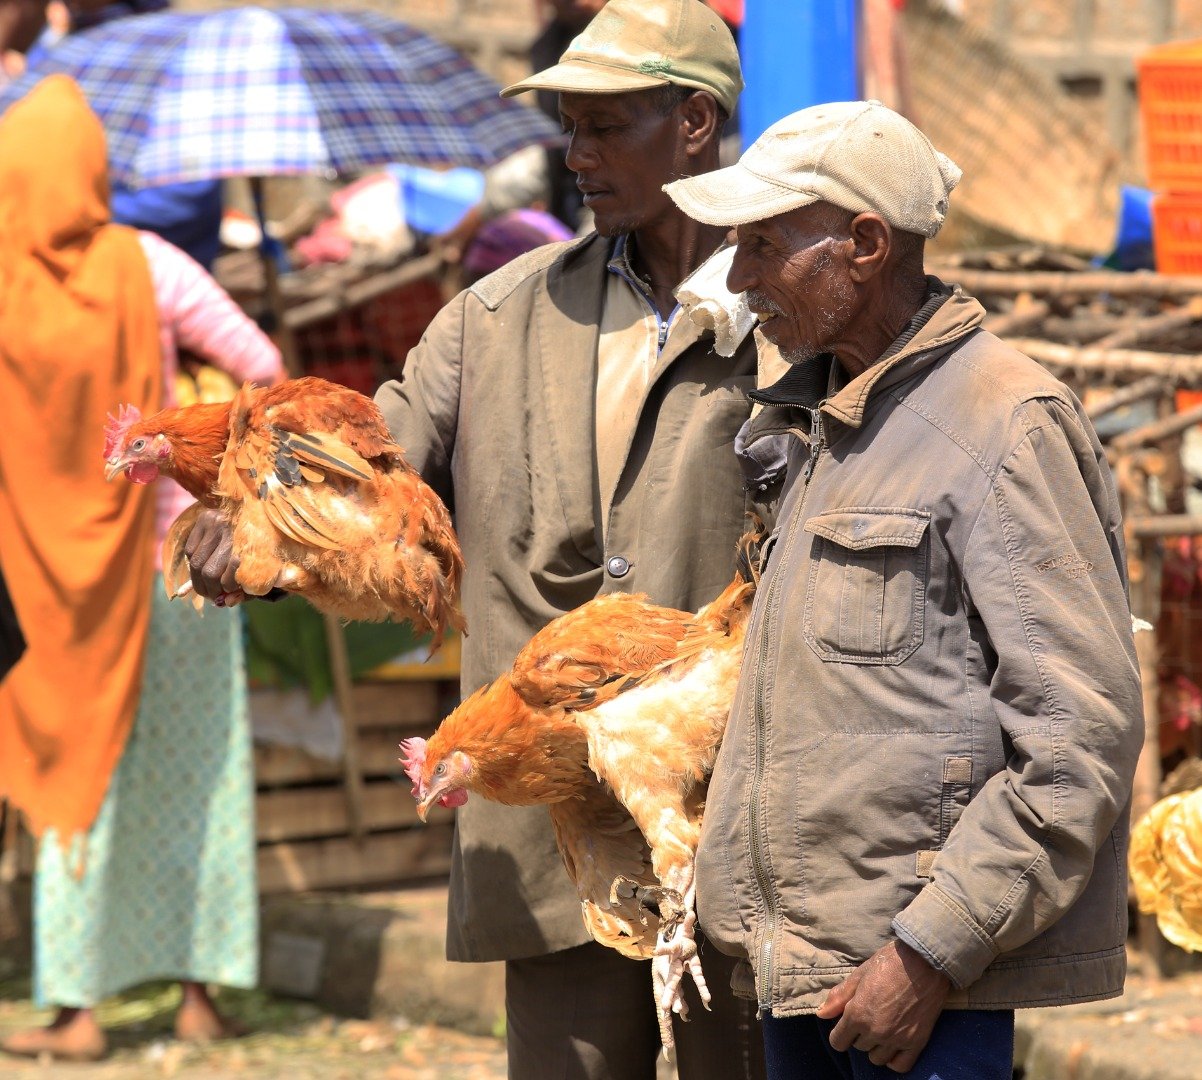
{"x":289,"y":1040}
{"x":1154,"y":1032}
{"x":292,"y":1040}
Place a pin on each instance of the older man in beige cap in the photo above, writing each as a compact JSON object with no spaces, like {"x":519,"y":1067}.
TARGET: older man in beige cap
{"x":918,"y":820}
{"x":582,"y":429}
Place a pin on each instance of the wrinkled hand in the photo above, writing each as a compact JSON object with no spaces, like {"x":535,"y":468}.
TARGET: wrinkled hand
{"x":211,"y":559}
{"x":887,"y":1006}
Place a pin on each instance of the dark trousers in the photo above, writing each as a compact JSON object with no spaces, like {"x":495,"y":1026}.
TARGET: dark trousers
{"x":588,"y":1014}
{"x":965,"y":1045}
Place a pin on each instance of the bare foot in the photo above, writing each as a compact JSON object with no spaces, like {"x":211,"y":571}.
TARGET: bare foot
{"x":73,"y":1036}
{"x":199,"y":1021}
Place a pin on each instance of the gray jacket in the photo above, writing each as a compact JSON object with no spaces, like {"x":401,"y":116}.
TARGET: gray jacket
{"x":496,"y":410}
{"x":939,"y":714}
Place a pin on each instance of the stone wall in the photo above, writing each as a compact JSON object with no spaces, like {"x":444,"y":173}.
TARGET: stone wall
{"x":1091,"y":47}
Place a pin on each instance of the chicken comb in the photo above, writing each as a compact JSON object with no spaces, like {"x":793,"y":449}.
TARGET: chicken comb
{"x":117,"y":426}
{"x":415,"y":758}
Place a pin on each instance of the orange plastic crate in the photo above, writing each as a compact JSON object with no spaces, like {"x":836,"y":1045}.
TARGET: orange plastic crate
{"x":1177,"y":233}
{"x":1170,"y":105}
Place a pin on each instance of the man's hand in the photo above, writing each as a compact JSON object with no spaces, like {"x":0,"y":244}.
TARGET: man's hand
{"x":888,"y":1006}
{"x":211,"y":559}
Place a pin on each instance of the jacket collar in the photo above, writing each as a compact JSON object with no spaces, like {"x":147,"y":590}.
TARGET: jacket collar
{"x":948,"y":316}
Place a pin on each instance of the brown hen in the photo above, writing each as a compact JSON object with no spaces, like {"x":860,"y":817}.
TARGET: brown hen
{"x":612,"y":716}
{"x":320,"y":500}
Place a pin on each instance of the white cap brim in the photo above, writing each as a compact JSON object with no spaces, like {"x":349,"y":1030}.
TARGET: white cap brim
{"x":735,"y":196}
{"x":585,"y":77}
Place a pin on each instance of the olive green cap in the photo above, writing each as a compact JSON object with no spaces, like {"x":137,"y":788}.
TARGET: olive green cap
{"x":640,"y":44}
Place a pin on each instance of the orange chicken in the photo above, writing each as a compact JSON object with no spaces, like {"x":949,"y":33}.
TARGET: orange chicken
{"x":612,"y":716}
{"x":320,"y":500}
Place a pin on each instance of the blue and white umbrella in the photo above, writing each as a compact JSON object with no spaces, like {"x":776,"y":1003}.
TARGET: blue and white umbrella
{"x":257,"y":92}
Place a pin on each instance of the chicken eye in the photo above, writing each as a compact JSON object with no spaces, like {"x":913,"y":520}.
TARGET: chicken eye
{"x":440,"y":768}
{"x":138,"y":445}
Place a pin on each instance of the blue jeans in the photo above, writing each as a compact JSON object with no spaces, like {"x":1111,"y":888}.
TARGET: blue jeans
{"x":965,"y":1045}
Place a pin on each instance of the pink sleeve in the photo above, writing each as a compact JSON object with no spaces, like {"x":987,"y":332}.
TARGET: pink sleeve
{"x":202,"y":318}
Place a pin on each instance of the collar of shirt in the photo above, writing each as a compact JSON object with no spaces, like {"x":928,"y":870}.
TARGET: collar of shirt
{"x":619,"y":263}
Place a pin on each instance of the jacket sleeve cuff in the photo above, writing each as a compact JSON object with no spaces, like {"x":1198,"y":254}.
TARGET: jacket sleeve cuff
{"x":943,"y":932}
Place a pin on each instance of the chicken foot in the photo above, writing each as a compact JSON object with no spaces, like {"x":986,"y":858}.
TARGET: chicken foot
{"x":675,"y":953}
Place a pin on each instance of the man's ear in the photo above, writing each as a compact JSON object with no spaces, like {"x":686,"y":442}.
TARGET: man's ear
{"x":699,"y":115}
{"x":872,"y":240}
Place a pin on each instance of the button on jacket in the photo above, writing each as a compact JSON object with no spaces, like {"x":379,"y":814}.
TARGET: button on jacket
{"x":496,"y":410}
{"x":939,"y":713}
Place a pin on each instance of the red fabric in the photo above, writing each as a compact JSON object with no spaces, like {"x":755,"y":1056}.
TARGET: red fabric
{"x":730,"y":10}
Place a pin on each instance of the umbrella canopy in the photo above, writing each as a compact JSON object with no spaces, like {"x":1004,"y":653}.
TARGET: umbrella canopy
{"x":256,"y":92}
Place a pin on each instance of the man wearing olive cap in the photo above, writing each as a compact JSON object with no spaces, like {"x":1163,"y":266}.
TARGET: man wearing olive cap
{"x":918,"y":820}
{"x":581,"y":428}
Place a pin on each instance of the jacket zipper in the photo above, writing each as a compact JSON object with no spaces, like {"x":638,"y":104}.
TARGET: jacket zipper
{"x":759,"y":870}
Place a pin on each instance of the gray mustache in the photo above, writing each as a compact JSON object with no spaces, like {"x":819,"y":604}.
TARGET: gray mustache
{"x":760,"y":302}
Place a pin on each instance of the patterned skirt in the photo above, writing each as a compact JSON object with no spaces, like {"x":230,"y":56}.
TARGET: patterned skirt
{"x":168,"y":885}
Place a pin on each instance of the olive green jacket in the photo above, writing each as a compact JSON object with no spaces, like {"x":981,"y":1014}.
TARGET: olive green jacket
{"x":939,"y":715}
{"x":496,"y":410}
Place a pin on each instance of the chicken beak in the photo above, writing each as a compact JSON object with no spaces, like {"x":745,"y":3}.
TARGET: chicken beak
{"x":428,"y":796}
{"x":114,"y":467}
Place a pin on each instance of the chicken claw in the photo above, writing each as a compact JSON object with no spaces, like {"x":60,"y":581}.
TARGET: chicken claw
{"x":676,"y":953}
{"x":647,"y":897}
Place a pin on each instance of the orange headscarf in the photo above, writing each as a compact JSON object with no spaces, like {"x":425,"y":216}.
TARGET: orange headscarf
{"x":78,"y":336}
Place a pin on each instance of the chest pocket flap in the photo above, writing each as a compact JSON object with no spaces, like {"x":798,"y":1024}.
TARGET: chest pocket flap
{"x":866,"y":590}
{"x":869,"y":528}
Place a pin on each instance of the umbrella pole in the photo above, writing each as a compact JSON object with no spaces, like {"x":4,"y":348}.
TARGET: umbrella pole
{"x":279,"y":330}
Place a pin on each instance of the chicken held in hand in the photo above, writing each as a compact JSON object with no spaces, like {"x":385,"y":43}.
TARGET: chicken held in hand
{"x":612,"y":716}
{"x":319,"y":499}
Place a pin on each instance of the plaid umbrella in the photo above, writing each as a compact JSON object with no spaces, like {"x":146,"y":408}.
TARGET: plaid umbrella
{"x":257,"y":92}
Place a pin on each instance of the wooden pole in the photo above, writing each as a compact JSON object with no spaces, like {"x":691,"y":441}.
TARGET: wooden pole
{"x":1152,"y":385}
{"x":280,"y":332}
{"x":352,"y":772}
{"x":1066,"y":283}
{"x":1145,"y":568}
{"x":353,"y":295}
{"x":1185,"y":369}
{"x":1155,"y":526}
{"x":1149,"y":328}
{"x":1159,"y":430}
{"x":1025,"y":316}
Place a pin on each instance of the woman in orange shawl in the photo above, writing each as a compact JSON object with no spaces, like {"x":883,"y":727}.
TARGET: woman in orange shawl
{"x":142,"y":819}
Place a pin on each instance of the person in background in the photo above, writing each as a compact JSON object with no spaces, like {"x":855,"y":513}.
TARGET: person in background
{"x":187,"y":214}
{"x":567,"y":19}
{"x":506,"y":237}
{"x":124,"y":732}
{"x":21,"y":21}
{"x":918,"y":818}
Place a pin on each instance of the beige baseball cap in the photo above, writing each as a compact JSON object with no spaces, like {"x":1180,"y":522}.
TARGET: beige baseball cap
{"x":639,"y":44}
{"x":859,"y":155}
